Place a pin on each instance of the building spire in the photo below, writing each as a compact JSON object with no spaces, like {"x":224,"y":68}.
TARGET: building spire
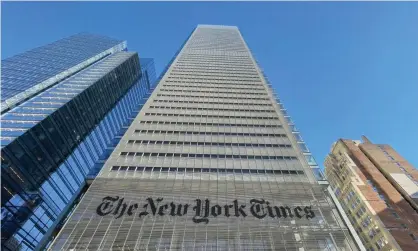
{"x":365,"y":139}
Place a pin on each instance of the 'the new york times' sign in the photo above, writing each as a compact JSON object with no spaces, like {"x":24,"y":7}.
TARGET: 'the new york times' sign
{"x":203,"y":209}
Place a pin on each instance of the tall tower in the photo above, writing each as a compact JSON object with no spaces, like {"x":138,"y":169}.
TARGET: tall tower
{"x":209,"y":163}
{"x":64,"y":106}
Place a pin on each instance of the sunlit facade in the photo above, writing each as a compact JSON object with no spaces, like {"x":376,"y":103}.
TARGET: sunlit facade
{"x":209,"y":163}
{"x":378,"y":190}
{"x":64,"y":108}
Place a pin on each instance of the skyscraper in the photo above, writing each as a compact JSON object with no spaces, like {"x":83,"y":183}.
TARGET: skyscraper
{"x":378,"y":189}
{"x":64,"y":107}
{"x":210,"y":163}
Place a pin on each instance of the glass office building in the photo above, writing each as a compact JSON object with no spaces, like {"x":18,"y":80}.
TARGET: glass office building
{"x":211,"y":162}
{"x":64,"y":108}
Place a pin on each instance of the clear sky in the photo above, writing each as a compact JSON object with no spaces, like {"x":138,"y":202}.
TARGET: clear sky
{"x":342,"y":69}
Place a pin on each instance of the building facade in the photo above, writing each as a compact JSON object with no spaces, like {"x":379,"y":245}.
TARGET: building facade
{"x":209,"y":163}
{"x":65,"y":106}
{"x":378,"y":190}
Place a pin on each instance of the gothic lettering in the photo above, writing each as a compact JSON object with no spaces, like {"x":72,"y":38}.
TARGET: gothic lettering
{"x":270,"y":210}
{"x":132,"y":208}
{"x":283,"y":212}
{"x":173,"y":209}
{"x":106,"y":206}
{"x":257,"y":209}
{"x":198,"y":208}
{"x":153,"y":205}
{"x":161,"y":210}
{"x":239,"y":210}
{"x":179,"y":207}
{"x":309,"y":213}
{"x":297,"y":212}
{"x":203,"y":210}
{"x":216,"y":210}
{"x":227,"y":207}
{"x":144,"y":213}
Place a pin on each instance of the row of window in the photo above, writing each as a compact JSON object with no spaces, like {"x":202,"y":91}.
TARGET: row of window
{"x":214,"y":58}
{"x":380,"y":194}
{"x":232,"y":61}
{"x":211,"y":61}
{"x":224,"y":82}
{"x":211,"y":133}
{"x":22,"y":114}
{"x":194,"y":69}
{"x":68,"y":89}
{"x":206,"y":124}
{"x":188,"y":90}
{"x":204,"y":170}
{"x":219,"y":58}
{"x":204,"y":60}
{"x":182,"y":61}
{"x":212,"y":74}
{"x":211,"y":86}
{"x":210,"y":78}
{"x":210,"y":102}
{"x":208,"y":56}
{"x":216,"y":38}
{"x":217,"y":65}
{"x":212,"y":156}
{"x":206,"y":116}
{"x":361,"y":211}
{"x":195,"y":143}
{"x":226,"y":70}
{"x":215,"y":69}
{"x":399,"y":165}
{"x":207,"y":97}
{"x":220,"y":45}
{"x":208,"y":109}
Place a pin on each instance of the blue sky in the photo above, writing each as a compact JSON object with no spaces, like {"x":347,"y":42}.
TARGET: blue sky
{"x":341,"y":69}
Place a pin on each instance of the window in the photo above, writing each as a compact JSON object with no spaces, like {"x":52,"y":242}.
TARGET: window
{"x":354,"y":204}
{"x":395,"y":215}
{"x":206,"y":170}
{"x":366,"y":222}
{"x":350,"y":195}
{"x":360,"y":212}
{"x":337,"y":191}
{"x":372,"y":233}
{"x":388,"y":204}
{"x":209,"y":133}
{"x":372,"y":185}
{"x":380,"y":243}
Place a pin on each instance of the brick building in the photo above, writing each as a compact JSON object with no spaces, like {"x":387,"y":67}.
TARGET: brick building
{"x":378,"y":190}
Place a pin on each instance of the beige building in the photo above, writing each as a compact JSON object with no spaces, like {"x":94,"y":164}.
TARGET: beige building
{"x":378,"y":190}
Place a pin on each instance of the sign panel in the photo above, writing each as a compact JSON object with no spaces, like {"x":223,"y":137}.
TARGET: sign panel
{"x":138,"y":214}
{"x":203,"y":210}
